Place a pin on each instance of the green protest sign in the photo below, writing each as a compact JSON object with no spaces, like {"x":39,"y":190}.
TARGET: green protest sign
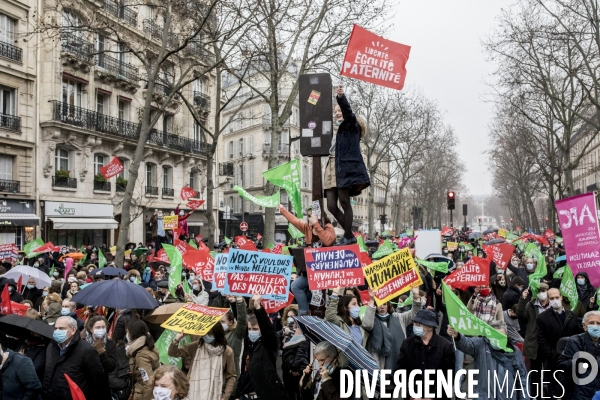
{"x":384,"y":250}
{"x":361,"y":244}
{"x":287,"y":176}
{"x":82,"y":261}
{"x":162,"y":344}
{"x":407,"y":302}
{"x":31,"y":246}
{"x":295,"y":232}
{"x":568,"y":288}
{"x":559,"y":273}
{"x":441,"y":266}
{"x":532,"y":251}
{"x":264,"y":201}
{"x":176,"y":267}
{"x":101,"y":259}
{"x":463,"y":321}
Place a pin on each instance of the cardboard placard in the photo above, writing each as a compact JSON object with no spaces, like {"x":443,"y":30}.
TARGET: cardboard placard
{"x":220,"y":271}
{"x":170,"y":222}
{"x":332,"y":267}
{"x":194,"y":319}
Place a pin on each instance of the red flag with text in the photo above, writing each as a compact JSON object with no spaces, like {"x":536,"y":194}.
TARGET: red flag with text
{"x":47,"y":248}
{"x":194,"y":204}
{"x":258,"y":236}
{"x":272,"y":306}
{"x":501,"y":253}
{"x":113,"y":168}
{"x":548,"y":234}
{"x":245,"y":244}
{"x":447,"y":231}
{"x":476,"y":272}
{"x":187,"y":193}
{"x":20,"y":284}
{"x":199,"y":261}
{"x":373,"y":59}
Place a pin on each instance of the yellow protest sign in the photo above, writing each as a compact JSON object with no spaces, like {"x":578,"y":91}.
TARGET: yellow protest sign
{"x":392,"y":275}
{"x":170,"y":222}
{"x":113,"y":250}
{"x":452,"y":246}
{"x":194,"y":319}
{"x":503,"y":232}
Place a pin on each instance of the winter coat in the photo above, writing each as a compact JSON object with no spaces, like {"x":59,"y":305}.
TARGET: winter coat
{"x":148,"y":361}
{"x":32,"y":294}
{"x":577,"y":343}
{"x":350,"y":170}
{"x":82,"y":364}
{"x":36,"y":351}
{"x":183,"y":225}
{"x":295,"y":358}
{"x":332,"y":316}
{"x":326,"y":235}
{"x":510,"y":297}
{"x":415,"y":355}
{"x":19,"y":380}
{"x":330,"y":389}
{"x":512,"y":328}
{"x":494,"y":361}
{"x":122,"y":321}
{"x":528,"y":312}
{"x":550,"y":330}
{"x":520,"y":272}
{"x":236,"y":333}
{"x":584,"y":293}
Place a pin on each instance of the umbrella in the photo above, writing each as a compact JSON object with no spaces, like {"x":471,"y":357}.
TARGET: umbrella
{"x":561,"y":258}
{"x":436,"y":257}
{"x":317,"y":330}
{"x":474,"y":235}
{"x":162,"y":313}
{"x":494,"y":241}
{"x":140,"y":250}
{"x":116,"y":293}
{"x":41,"y":278}
{"x":74,"y":256}
{"x":488,"y":231}
{"x":18,"y":326}
{"x":110,"y":271}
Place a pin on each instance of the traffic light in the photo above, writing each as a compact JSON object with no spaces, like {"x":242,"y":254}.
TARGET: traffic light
{"x":479,"y":221}
{"x":383,"y":218}
{"x":451,"y":201}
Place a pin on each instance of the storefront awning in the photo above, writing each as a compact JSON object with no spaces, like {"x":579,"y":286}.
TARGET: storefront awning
{"x":19,"y":220}
{"x":84,"y":223}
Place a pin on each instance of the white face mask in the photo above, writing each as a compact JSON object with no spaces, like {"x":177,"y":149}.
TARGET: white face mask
{"x":542,"y":296}
{"x":529,"y":267}
{"x":181,"y":213}
{"x":225,"y":326}
{"x":556,"y":304}
{"x":99,"y":333}
{"x":161,"y":393}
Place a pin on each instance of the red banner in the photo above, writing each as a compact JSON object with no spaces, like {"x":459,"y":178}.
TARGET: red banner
{"x":245,"y":244}
{"x":258,"y":236}
{"x":11,"y":307}
{"x":198,"y":261}
{"x":194,"y":204}
{"x":277,"y":249}
{"x":532,"y":236}
{"x":501,"y":253}
{"x":373,"y":59}
{"x":9,"y":252}
{"x":113,"y":168}
{"x":272,"y":306}
{"x":332,"y":267}
{"x":548,"y":234}
{"x":47,"y":248}
{"x":476,"y":272}
{"x":161,"y":256}
{"x":447,"y":231}
{"x":365,"y":297}
{"x":187,"y":193}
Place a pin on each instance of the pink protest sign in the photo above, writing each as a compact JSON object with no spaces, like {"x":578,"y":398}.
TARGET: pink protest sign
{"x":578,"y":221}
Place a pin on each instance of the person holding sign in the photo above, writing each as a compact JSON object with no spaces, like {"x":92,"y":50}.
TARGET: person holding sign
{"x":344,"y":312}
{"x":492,"y":361}
{"x":326,"y":235}
{"x":345,"y":173}
{"x":212,"y":373}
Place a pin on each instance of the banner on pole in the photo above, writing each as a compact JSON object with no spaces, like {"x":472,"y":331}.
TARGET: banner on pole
{"x":113,"y":168}
{"x":187,"y":193}
{"x":221,"y":260}
{"x":475,"y":272}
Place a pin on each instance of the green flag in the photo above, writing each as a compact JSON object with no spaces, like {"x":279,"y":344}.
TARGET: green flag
{"x":186,"y":286}
{"x":227,"y":241}
{"x":463,"y":321}
{"x":264,"y":201}
{"x":361,"y":244}
{"x":82,"y":261}
{"x":559,"y":273}
{"x":51,"y":271}
{"x":568,"y":288}
{"x":441,"y":266}
{"x":407,"y":302}
{"x":511,"y":236}
{"x":295,"y":232}
{"x":31,"y":246}
{"x":598,"y":296}
{"x":532,"y":251}
{"x":410,"y":233}
{"x":101,"y":259}
{"x":193,"y":244}
{"x":385,"y":249}
{"x":162,"y":344}
{"x":176,"y":267}
{"x":287,"y":176}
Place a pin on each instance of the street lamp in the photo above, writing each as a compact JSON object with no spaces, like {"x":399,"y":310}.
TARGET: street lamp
{"x":248,"y":156}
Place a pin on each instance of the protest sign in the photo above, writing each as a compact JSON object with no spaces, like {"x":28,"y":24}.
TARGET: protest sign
{"x":163,"y":343}
{"x":568,"y":288}
{"x":548,"y":234}
{"x":194,"y":319}
{"x":578,"y":221}
{"x":113,"y":168}
{"x":452,"y":246}
{"x":332,"y":267}
{"x":251,"y":272}
{"x":187,"y":193}
{"x":373,"y":59}
{"x":127,"y":254}
{"x":385,"y":249}
{"x":272,"y":306}
{"x":428,"y":242}
{"x":220,"y":271}
{"x":263,"y":201}
{"x":101,"y":259}
{"x":501,"y":253}
{"x":392,"y":275}
{"x":170,"y":222}
{"x":475,"y":272}
{"x":503,"y":233}
{"x":9,"y":252}
{"x":194,"y":204}
{"x":316,"y":209}
{"x":176,"y":267}
{"x":463,"y":320}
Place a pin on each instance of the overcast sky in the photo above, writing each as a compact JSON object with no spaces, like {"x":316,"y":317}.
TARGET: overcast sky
{"x":448,"y":62}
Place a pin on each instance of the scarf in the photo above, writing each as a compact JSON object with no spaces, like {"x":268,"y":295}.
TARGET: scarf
{"x":134,"y":346}
{"x":485,"y":308}
{"x":206,"y":375}
{"x":91,"y":338}
{"x":386,"y":339}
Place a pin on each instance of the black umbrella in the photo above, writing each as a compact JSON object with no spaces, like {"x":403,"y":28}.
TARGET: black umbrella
{"x":110,"y":271}
{"x":17,"y":326}
{"x":115,"y":293}
{"x":494,"y":241}
{"x":488,"y":231}
{"x":474,"y":235}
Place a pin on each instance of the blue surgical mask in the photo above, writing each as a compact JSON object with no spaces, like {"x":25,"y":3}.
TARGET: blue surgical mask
{"x":594,"y":331}
{"x":45,"y":293}
{"x":290,"y":320}
{"x":30,"y":286}
{"x":330,"y":368}
{"x":60,"y":336}
{"x":581,"y":281}
{"x":195,"y":287}
{"x":355,"y":312}
{"x":208,"y":339}
{"x":65,"y":311}
{"x":147,"y":269}
{"x":383,"y":317}
{"x":253,"y":336}
{"x":418,"y":331}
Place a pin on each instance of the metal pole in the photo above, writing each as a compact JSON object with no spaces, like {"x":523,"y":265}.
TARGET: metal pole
{"x":451,"y":224}
{"x":242,"y":172}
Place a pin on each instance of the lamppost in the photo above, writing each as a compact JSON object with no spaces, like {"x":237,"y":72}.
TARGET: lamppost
{"x":248,"y":156}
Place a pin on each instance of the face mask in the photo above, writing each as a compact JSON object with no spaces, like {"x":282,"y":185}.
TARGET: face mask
{"x":338,"y":122}
{"x":192,"y":277}
{"x":484,"y":292}
{"x":147,"y":269}
{"x":161,"y":393}
{"x":502,"y":283}
{"x":355,"y":312}
{"x":556,"y":304}
{"x":99,"y":333}
{"x":181,"y":213}
{"x":59,"y":336}
{"x":529,"y":267}
{"x":445,"y":251}
{"x":208,"y":339}
{"x":514,"y":263}
{"x":30,"y":286}
{"x":45,"y":294}
{"x":55,"y":273}
{"x":500,"y":272}
{"x":520,"y":288}
{"x":65,"y":311}
{"x":383,"y":317}
{"x":418,"y":331}
{"x":513,"y":316}
{"x":462,"y":250}
{"x":225,"y":326}
{"x":330,"y":368}
{"x":36,"y":265}
{"x":542,"y":296}
{"x":594,"y":331}
{"x":72,"y":279}
{"x":132,"y":278}
{"x":253,"y":336}
{"x":10,"y":289}
{"x":195,"y":287}
{"x":290,"y":320}
{"x":581,"y":281}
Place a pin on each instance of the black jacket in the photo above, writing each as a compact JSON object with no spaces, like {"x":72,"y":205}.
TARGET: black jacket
{"x":19,"y":380}
{"x":520,"y":272}
{"x":437,"y":354}
{"x":330,"y":389}
{"x":122,"y":321}
{"x":350,"y":170}
{"x":82,"y":364}
{"x":32,"y":294}
{"x":510,"y":297}
{"x":295,"y":358}
{"x":577,"y":343}
{"x":528,"y":312}
{"x":550,"y":330}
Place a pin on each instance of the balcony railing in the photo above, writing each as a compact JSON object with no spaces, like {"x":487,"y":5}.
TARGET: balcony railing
{"x":152,"y":190}
{"x":283,"y":149}
{"x":202,"y":100}
{"x":119,"y":188}
{"x":226,"y":169}
{"x":103,"y":186}
{"x":162,"y":89}
{"x":166,"y":192}
{"x":77,"y":46}
{"x":10,"y":186}
{"x":11,"y":122}
{"x":11,"y":52}
{"x":156,"y":31}
{"x":118,"y":67}
{"x":125,"y":13}
{"x":59,"y":181}
{"x":95,"y":121}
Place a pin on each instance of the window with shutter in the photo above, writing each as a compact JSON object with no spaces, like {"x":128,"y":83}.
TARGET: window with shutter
{"x":6,"y":167}
{"x":251,"y":145}
{"x":7,"y":101}
{"x":7,"y":29}
{"x":251,"y":180}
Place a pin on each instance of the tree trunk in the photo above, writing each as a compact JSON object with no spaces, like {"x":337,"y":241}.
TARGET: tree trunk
{"x":210,"y":156}
{"x":371,"y":208}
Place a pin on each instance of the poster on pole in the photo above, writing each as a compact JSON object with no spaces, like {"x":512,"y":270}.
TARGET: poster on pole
{"x":332,"y":267}
{"x":113,"y":168}
{"x":170,"y":222}
{"x":428,"y":242}
{"x":194,"y":319}
{"x":251,"y":272}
